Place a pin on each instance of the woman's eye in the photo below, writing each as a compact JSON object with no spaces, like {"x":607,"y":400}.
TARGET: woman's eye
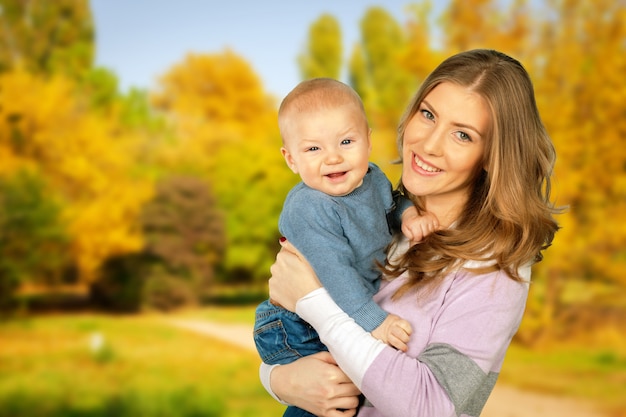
{"x":427,"y":114}
{"x":464,"y":136}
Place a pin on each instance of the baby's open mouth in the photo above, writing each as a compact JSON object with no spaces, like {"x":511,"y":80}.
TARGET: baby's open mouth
{"x":336,"y":174}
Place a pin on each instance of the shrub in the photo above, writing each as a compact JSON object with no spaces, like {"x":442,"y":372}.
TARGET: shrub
{"x":164,"y":292}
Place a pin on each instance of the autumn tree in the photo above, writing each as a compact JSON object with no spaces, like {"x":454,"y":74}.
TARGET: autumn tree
{"x":419,"y":57}
{"x":581,"y":94}
{"x":505,"y":26}
{"x":84,"y":157}
{"x":323,"y":56}
{"x":464,"y":14}
{"x":46,"y":37}
{"x":228,"y":135}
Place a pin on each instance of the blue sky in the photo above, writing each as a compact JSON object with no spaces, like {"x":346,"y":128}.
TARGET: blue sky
{"x":140,"y":40}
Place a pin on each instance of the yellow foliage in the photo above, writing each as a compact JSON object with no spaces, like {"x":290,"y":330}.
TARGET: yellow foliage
{"x":217,"y":88}
{"x":582,"y":97}
{"x":228,"y":133}
{"x":47,"y":37}
{"x":84,"y":158}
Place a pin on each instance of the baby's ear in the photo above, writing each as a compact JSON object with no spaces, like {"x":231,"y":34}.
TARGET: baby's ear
{"x":289,"y":160}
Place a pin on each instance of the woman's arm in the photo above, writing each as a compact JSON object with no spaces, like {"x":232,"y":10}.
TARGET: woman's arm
{"x":314,"y":383}
{"x":356,"y":348}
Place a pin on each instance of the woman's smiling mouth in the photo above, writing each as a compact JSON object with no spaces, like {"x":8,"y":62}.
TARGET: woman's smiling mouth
{"x":423,"y":165}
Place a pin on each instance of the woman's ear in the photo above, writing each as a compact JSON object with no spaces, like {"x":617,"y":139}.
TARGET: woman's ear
{"x":486,"y":164}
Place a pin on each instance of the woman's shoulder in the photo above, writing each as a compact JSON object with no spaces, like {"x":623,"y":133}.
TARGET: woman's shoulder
{"x":487,"y":268}
{"x":489,"y":282}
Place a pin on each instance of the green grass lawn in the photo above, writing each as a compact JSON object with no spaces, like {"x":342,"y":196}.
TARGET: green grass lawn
{"x":598,"y":376}
{"x":144,"y":368}
{"x":147,"y":368}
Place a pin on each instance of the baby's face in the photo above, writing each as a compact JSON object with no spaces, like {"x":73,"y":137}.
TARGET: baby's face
{"x":329,"y":149}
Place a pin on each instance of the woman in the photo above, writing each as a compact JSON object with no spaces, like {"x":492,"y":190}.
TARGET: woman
{"x":475,"y":154}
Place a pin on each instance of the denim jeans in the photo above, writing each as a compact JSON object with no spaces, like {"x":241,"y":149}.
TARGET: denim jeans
{"x":292,"y":411}
{"x":281,"y":336}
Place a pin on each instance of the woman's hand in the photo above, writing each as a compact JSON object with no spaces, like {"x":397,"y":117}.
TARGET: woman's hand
{"x":315,"y":383}
{"x":292,"y":277}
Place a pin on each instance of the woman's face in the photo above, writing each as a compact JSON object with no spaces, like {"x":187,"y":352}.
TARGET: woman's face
{"x":443,"y":147}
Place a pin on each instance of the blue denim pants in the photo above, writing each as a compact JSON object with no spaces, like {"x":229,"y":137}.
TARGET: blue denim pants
{"x":281,"y":336}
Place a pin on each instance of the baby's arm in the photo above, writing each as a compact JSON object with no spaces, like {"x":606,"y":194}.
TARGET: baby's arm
{"x":416,"y":227}
{"x":394,"y":331}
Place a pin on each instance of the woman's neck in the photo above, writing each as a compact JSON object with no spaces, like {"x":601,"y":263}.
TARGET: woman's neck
{"x":446,"y":213}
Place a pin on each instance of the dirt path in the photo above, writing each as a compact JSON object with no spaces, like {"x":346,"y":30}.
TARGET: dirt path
{"x":505,"y":401}
{"x":236,"y":334}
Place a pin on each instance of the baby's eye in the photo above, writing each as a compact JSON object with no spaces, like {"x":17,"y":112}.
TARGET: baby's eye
{"x":346,"y":141}
{"x":313,"y":148}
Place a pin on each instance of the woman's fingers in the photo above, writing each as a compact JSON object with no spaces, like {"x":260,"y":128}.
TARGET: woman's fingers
{"x":286,"y":245}
{"x":292,"y":277}
{"x":343,"y":400}
{"x":315,"y":383}
{"x":342,"y":412}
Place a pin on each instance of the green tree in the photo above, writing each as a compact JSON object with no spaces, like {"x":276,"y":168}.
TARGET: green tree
{"x":121,"y":282}
{"x":101,"y":86}
{"x":383,"y":43}
{"x":323,"y":57}
{"x":33,"y":240}
{"x":377,"y":73}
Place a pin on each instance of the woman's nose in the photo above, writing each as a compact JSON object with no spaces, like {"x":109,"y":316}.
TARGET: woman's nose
{"x":433,"y":142}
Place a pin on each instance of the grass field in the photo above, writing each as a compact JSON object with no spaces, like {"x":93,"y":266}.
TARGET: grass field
{"x":95,"y":365}
{"x":142,"y":368}
{"x":597,"y":376}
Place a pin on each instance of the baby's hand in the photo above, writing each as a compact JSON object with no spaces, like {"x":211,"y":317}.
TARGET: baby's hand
{"x":394,"y":331}
{"x":416,"y":227}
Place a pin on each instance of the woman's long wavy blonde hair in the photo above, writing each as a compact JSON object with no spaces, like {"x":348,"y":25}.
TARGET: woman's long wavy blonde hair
{"x":508,"y":218}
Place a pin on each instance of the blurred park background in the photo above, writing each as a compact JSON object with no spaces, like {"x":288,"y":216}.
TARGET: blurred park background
{"x":121,"y":208}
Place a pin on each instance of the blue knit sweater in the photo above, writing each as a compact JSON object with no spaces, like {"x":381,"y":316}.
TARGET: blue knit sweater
{"x":342,"y":237}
